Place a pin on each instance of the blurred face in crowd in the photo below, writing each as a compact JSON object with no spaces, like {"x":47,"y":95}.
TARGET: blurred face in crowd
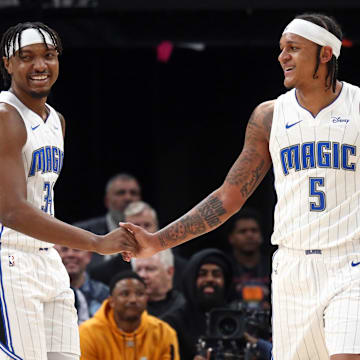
{"x":75,"y":261}
{"x":246,"y":236}
{"x":157,"y":277}
{"x":121,"y":193}
{"x":128,"y":300}
{"x":210,"y":286}
{"x":145,"y":219}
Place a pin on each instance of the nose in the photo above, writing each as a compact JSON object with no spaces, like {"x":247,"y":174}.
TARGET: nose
{"x":39,"y":64}
{"x":283,"y":56}
{"x":132,"y":298}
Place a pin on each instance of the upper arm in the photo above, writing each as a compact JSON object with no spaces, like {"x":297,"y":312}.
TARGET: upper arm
{"x":12,"y":176}
{"x":254,"y":160}
{"x":62,"y":120}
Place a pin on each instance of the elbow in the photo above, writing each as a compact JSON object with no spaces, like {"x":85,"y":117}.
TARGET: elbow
{"x":231,"y":201}
{"x":10,"y":217}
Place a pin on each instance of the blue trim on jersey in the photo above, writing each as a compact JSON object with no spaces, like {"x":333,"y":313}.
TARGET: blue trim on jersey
{"x":1,"y":231}
{"x":9,"y":353}
{"x":9,"y":350}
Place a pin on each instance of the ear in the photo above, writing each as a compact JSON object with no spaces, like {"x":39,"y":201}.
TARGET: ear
{"x":326,"y":54}
{"x":7,"y":64}
{"x":170,"y":270}
{"x":111,"y":302}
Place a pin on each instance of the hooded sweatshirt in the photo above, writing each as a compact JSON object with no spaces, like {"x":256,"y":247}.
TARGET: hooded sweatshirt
{"x":101,"y":339}
{"x":189,"y":321}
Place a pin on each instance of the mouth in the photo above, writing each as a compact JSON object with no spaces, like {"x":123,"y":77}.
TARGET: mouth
{"x":208,"y":290}
{"x":288,"y":70}
{"x":39,"y":79}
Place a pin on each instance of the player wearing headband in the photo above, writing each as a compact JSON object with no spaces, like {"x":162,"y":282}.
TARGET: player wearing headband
{"x":311,"y":137}
{"x":37,"y":316}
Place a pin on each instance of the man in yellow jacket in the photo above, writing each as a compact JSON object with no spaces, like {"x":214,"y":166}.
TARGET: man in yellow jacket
{"x":122,"y":329}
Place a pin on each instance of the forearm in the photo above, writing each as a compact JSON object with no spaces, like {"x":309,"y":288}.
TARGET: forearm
{"x":209,"y":214}
{"x":25,"y":218}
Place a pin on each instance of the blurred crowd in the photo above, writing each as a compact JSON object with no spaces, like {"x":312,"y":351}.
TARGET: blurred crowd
{"x":213,"y":305}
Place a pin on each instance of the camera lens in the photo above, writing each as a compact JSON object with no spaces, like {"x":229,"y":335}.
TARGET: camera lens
{"x":227,"y":326}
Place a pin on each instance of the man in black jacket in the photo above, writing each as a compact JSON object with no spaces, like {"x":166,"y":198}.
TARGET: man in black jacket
{"x":207,"y":285}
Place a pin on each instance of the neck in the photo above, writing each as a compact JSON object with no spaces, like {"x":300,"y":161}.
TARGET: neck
{"x":315,"y":98}
{"x":77,"y":280}
{"x":157,"y":297}
{"x":249,"y":260}
{"x":126,"y":326}
{"x":34,"y":104}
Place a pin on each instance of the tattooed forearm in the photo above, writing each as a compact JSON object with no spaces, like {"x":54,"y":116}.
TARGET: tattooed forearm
{"x":207,"y":212}
{"x":253,"y":180}
{"x":188,"y":224}
{"x":210,"y":210}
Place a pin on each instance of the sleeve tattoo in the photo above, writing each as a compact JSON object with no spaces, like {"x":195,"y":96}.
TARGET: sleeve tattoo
{"x":208,"y":213}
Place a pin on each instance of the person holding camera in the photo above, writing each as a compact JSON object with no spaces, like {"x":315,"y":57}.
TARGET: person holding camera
{"x":207,"y":282}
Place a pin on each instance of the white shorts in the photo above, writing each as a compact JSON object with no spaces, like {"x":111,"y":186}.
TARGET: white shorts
{"x":316,"y":303}
{"x":37,"y":305}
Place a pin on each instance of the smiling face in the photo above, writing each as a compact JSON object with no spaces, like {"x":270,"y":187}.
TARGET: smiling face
{"x":128,"y":300}
{"x":33,"y":70}
{"x":75,"y":261}
{"x":298,"y":60}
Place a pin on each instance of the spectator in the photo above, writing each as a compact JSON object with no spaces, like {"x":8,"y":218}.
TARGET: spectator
{"x":158,"y":272}
{"x":122,"y":328}
{"x":120,"y":191}
{"x":142,"y":214}
{"x":81,"y":306}
{"x":251,"y":267}
{"x":75,"y":262}
{"x":207,"y":283}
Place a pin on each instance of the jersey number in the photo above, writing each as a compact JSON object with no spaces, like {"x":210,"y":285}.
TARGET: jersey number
{"x":320,"y":203}
{"x":47,"y":207}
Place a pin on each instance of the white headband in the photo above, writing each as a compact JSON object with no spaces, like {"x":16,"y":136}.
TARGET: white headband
{"x":315,"y":33}
{"x":29,"y":37}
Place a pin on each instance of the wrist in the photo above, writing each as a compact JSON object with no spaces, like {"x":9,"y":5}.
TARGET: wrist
{"x":95,"y":243}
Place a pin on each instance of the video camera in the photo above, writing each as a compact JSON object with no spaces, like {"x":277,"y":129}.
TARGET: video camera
{"x":226,"y":328}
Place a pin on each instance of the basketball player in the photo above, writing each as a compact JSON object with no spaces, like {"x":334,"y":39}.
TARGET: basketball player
{"x":38,"y":318}
{"x":311,"y":136}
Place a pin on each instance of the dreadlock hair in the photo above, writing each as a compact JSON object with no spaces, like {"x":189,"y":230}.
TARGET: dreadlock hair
{"x":332,"y":26}
{"x":13,"y":34}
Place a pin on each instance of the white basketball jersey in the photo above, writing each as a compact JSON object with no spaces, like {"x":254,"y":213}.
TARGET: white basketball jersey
{"x":42,"y":155}
{"x":316,"y":165}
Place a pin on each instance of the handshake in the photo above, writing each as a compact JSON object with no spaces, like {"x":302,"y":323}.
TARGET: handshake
{"x":130,"y":240}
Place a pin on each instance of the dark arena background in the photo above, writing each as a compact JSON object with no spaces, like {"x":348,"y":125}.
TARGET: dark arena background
{"x":163,"y":90}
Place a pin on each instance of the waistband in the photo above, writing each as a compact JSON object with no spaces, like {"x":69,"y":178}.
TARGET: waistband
{"x":310,"y":253}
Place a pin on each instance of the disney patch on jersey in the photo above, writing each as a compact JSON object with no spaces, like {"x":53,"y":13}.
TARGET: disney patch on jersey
{"x":11,"y":260}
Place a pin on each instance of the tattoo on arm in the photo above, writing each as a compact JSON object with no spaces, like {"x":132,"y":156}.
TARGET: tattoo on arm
{"x":207,"y":212}
{"x":251,"y":166}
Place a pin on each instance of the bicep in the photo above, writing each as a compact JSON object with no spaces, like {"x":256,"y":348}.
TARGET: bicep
{"x":12,"y":176}
{"x":254,"y":160}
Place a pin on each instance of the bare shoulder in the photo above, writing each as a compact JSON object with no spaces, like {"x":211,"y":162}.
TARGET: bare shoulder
{"x":11,"y":126}
{"x":262,"y":117}
{"x":62,"y":120}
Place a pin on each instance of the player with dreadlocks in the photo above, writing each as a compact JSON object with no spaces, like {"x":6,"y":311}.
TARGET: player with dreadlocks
{"x":311,"y":136}
{"x":38,"y":318}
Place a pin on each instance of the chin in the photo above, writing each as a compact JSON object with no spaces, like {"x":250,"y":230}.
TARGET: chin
{"x":39,"y":94}
{"x":288,"y":85}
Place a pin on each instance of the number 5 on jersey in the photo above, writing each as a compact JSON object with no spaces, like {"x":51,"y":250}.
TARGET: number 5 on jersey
{"x":314,"y":191}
